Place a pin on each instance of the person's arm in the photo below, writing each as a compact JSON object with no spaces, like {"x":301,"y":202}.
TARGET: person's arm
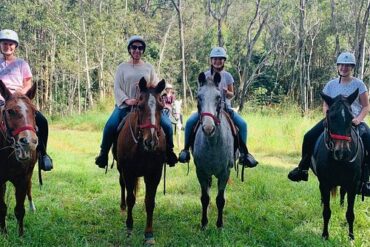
{"x":325,"y":108}
{"x":364,"y":101}
{"x":27,"y":84}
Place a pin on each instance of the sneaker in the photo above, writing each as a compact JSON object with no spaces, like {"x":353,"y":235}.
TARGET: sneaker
{"x":297,"y":174}
{"x":366,"y":189}
{"x":102,"y":160}
{"x":247,"y":160}
{"x":45,"y":162}
{"x":171,"y":157}
{"x":184,"y":156}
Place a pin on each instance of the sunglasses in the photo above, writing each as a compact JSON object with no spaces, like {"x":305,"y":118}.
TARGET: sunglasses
{"x":137,"y":47}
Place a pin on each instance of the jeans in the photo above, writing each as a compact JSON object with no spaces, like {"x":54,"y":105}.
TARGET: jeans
{"x":238,"y":121}
{"x":110,"y":129}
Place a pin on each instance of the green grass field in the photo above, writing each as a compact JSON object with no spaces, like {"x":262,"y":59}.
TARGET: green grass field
{"x":79,"y":204}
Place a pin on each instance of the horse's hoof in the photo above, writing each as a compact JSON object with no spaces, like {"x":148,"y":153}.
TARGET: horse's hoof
{"x":351,"y":237}
{"x":129,"y":232}
{"x":325,"y":236}
{"x":203,"y":227}
{"x":32,"y":207}
{"x":149,"y":239}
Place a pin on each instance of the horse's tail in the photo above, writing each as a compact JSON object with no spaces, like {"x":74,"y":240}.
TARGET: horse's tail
{"x":334,"y":191}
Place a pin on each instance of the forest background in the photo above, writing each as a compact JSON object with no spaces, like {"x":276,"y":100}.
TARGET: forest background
{"x":278,"y":50}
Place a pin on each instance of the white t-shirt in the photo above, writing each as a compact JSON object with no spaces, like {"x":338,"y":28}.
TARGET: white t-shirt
{"x":226,"y":80}
{"x":333,"y":88}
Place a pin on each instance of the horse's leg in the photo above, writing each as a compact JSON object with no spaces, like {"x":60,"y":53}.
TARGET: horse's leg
{"x":123,"y":190}
{"x":205,"y":184}
{"x":151,"y":186}
{"x":29,"y":196}
{"x":19,"y":211}
{"x":325,"y":198}
{"x":342,"y":195}
{"x":220,"y":199}
{"x":130,"y":199}
{"x":3,"y":208}
{"x":350,"y":215}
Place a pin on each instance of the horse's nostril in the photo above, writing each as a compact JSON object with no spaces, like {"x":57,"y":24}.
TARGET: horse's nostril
{"x":23,"y":141}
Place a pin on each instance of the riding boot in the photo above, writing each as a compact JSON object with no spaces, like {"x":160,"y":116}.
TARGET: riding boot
{"x":102,"y":159}
{"x":184,"y":155}
{"x":171,"y":158}
{"x":300,"y":173}
{"x":44,"y":160}
{"x":246,"y":159}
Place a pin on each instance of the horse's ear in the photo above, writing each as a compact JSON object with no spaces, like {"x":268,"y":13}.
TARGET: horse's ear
{"x":4,"y":91}
{"x":31,"y":93}
{"x":216,"y":79}
{"x":328,"y":100}
{"x":160,"y":86}
{"x":142,"y":85}
{"x":352,"y":97}
{"x":202,"y":79}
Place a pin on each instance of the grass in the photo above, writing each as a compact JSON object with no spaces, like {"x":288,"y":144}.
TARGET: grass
{"x":79,"y":204}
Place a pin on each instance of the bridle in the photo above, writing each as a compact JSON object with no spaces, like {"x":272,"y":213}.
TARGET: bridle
{"x":11,"y":134}
{"x":216,"y":118}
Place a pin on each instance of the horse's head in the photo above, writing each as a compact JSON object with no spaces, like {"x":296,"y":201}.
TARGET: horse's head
{"x":209,"y":102}
{"x":150,"y":106}
{"x":18,"y":122}
{"x":339,"y":123}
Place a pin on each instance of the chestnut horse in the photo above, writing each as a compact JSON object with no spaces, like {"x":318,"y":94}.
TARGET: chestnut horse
{"x":18,"y":142}
{"x":141,"y":149}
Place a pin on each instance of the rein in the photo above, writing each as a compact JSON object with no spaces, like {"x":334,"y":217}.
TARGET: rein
{"x":208,"y":114}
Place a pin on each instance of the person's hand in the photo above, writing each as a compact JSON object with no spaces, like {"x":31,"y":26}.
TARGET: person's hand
{"x":356,"y":121}
{"x":131,"y":101}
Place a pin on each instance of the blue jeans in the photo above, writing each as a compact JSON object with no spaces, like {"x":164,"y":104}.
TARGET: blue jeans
{"x":238,"y":121}
{"x":110,"y":129}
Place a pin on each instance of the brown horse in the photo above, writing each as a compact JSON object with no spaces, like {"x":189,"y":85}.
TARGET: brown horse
{"x":18,"y":142}
{"x":141,"y":149}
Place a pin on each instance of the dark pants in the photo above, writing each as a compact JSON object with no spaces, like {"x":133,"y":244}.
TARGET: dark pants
{"x":42,"y":132}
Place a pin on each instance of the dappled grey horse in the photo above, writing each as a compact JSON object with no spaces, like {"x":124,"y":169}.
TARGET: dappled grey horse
{"x":213,"y":150}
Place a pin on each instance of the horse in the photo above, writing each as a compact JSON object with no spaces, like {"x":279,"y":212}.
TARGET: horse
{"x":18,"y":142}
{"x":213,"y":149}
{"x":141,"y":151}
{"x":177,"y":117}
{"x":338,"y":156}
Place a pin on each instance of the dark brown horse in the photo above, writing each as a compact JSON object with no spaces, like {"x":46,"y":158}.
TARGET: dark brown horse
{"x":18,"y":142}
{"x":141,"y":148}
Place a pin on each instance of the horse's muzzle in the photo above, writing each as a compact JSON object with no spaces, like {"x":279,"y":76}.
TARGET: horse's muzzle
{"x":342,"y":151}
{"x":208,"y":129}
{"x":24,"y":147}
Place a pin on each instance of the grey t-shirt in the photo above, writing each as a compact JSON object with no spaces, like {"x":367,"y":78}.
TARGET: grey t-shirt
{"x":333,"y":88}
{"x":226,"y":79}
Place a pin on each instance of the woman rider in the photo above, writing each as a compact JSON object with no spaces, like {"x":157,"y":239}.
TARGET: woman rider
{"x":127,"y":76}
{"x":16,"y":75}
{"x":218,"y":57}
{"x":344,"y":85}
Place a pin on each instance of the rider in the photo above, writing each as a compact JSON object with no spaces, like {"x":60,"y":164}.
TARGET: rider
{"x":218,"y":57}
{"x":126,"y":92}
{"x":344,"y":85}
{"x":17,"y":76}
{"x":168,"y":97}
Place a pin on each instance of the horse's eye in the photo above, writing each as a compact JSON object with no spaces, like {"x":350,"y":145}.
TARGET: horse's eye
{"x":11,"y":112}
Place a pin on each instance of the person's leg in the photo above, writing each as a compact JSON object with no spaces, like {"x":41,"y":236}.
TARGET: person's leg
{"x":301,"y":172}
{"x":45,"y":162}
{"x":167,"y":128}
{"x":365,"y":136}
{"x":184,"y":155}
{"x":246,"y":159}
{"x":109,"y":132}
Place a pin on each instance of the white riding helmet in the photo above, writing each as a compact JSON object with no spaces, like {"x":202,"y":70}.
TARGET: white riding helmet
{"x":346,"y":58}
{"x":135,"y":38}
{"x":10,"y":35}
{"x":218,"y":52}
{"x":169,"y":86}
